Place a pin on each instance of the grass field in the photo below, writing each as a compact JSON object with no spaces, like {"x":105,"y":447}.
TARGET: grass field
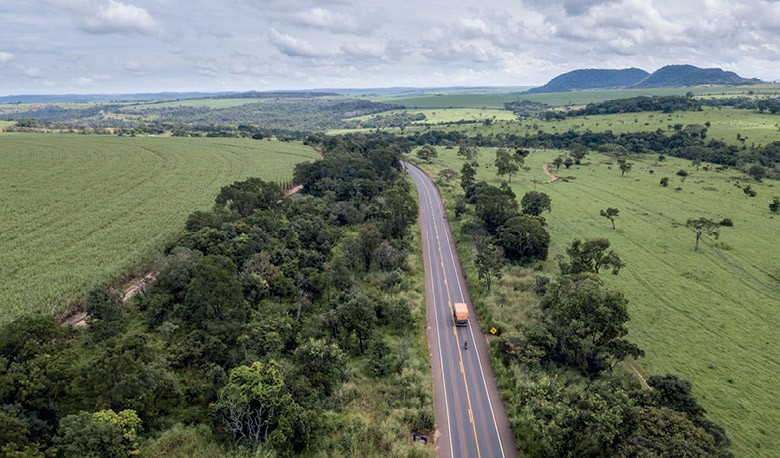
{"x":710,"y":316}
{"x":80,"y":210}
{"x":725,"y":123}
{"x":4,"y":124}
{"x":573,"y":98}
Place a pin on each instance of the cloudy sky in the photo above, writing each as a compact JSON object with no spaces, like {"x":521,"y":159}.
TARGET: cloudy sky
{"x":111,"y":46}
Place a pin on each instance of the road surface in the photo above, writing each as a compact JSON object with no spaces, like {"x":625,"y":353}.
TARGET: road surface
{"x":470,"y":418}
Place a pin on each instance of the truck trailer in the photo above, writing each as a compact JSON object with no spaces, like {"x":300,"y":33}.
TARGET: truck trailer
{"x":460,"y":313}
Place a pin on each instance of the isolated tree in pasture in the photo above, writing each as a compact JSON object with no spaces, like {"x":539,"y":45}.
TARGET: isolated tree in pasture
{"x":504,"y":164}
{"x":774,"y":206}
{"x":610,"y":213}
{"x":535,"y":202}
{"x":664,"y":181}
{"x":591,"y":256}
{"x":757,"y":172}
{"x":557,"y":162}
{"x":427,"y":153}
{"x":578,"y":152}
{"x":468,"y":179}
{"x":489,"y":262}
{"x":683,"y":174}
{"x":703,"y":226}
{"x":448,"y":174}
{"x":567,"y":163}
{"x":624,"y":166}
{"x":470,"y":152}
{"x":749,"y":191}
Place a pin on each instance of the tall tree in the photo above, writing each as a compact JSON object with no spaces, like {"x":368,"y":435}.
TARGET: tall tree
{"x":468,"y":178}
{"x":494,"y":205}
{"x":624,"y":166}
{"x":610,"y":213}
{"x":505,"y":165}
{"x":703,"y":226}
{"x":591,"y":256}
{"x":427,"y":153}
{"x":254,"y":405}
{"x":489,"y":262}
{"x":587,"y":324}
{"x":535,"y":202}
{"x":470,"y":152}
{"x":523,"y":237}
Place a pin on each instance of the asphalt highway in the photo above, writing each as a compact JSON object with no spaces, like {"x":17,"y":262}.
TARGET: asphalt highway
{"x":470,"y":418}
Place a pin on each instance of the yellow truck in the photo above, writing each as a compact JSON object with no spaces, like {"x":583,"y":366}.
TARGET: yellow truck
{"x":460,"y":313}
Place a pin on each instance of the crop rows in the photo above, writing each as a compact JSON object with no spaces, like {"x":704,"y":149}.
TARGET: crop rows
{"x":79,"y":210}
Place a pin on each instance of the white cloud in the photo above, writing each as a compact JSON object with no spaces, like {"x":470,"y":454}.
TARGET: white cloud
{"x":5,"y":57}
{"x":118,"y":17}
{"x":292,"y":46}
{"x":324,"y":19}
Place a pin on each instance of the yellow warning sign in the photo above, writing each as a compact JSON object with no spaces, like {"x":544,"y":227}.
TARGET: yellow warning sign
{"x":493,"y":331}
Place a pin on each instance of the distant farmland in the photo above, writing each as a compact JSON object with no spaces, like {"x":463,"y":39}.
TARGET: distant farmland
{"x":79,"y":210}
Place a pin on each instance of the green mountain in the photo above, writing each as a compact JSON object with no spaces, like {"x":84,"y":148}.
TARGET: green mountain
{"x":635,"y":78}
{"x":592,"y":78}
{"x":688,"y":75}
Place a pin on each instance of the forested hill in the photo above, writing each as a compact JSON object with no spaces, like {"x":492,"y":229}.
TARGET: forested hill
{"x":688,"y":75}
{"x":592,"y":78}
{"x":630,"y":78}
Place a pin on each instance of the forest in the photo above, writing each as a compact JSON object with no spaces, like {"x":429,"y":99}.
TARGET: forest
{"x":270,"y":325}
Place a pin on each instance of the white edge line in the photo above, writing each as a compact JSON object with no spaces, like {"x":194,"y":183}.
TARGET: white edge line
{"x":438,"y":336}
{"x":471,"y":332}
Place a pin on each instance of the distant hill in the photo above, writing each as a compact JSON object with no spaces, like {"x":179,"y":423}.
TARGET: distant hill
{"x":592,"y":78}
{"x":688,"y":75}
{"x":635,"y":78}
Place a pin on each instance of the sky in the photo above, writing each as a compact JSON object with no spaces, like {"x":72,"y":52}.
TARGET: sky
{"x":131,"y":46}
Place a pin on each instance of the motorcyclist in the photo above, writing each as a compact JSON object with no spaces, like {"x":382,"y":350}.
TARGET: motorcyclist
{"x":466,"y":345}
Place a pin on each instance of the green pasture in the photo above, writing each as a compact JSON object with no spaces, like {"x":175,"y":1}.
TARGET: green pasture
{"x":451,"y":101}
{"x":557,"y":99}
{"x":710,"y":316}
{"x":725,"y":123}
{"x":79,"y":210}
{"x":4,"y":124}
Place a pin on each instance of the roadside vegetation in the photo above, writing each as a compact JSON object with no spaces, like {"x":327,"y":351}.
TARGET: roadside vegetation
{"x":704,"y":315}
{"x":79,"y":210}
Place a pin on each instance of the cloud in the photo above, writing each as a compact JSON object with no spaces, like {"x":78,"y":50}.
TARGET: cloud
{"x":118,"y":17}
{"x":5,"y":57}
{"x":292,"y":46}
{"x":321,"y":18}
{"x":84,"y":81}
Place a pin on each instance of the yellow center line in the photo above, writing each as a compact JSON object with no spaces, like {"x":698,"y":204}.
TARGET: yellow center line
{"x":457,"y":340}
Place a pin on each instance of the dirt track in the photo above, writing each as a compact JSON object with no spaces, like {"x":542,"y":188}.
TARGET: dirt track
{"x":547,"y":172}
